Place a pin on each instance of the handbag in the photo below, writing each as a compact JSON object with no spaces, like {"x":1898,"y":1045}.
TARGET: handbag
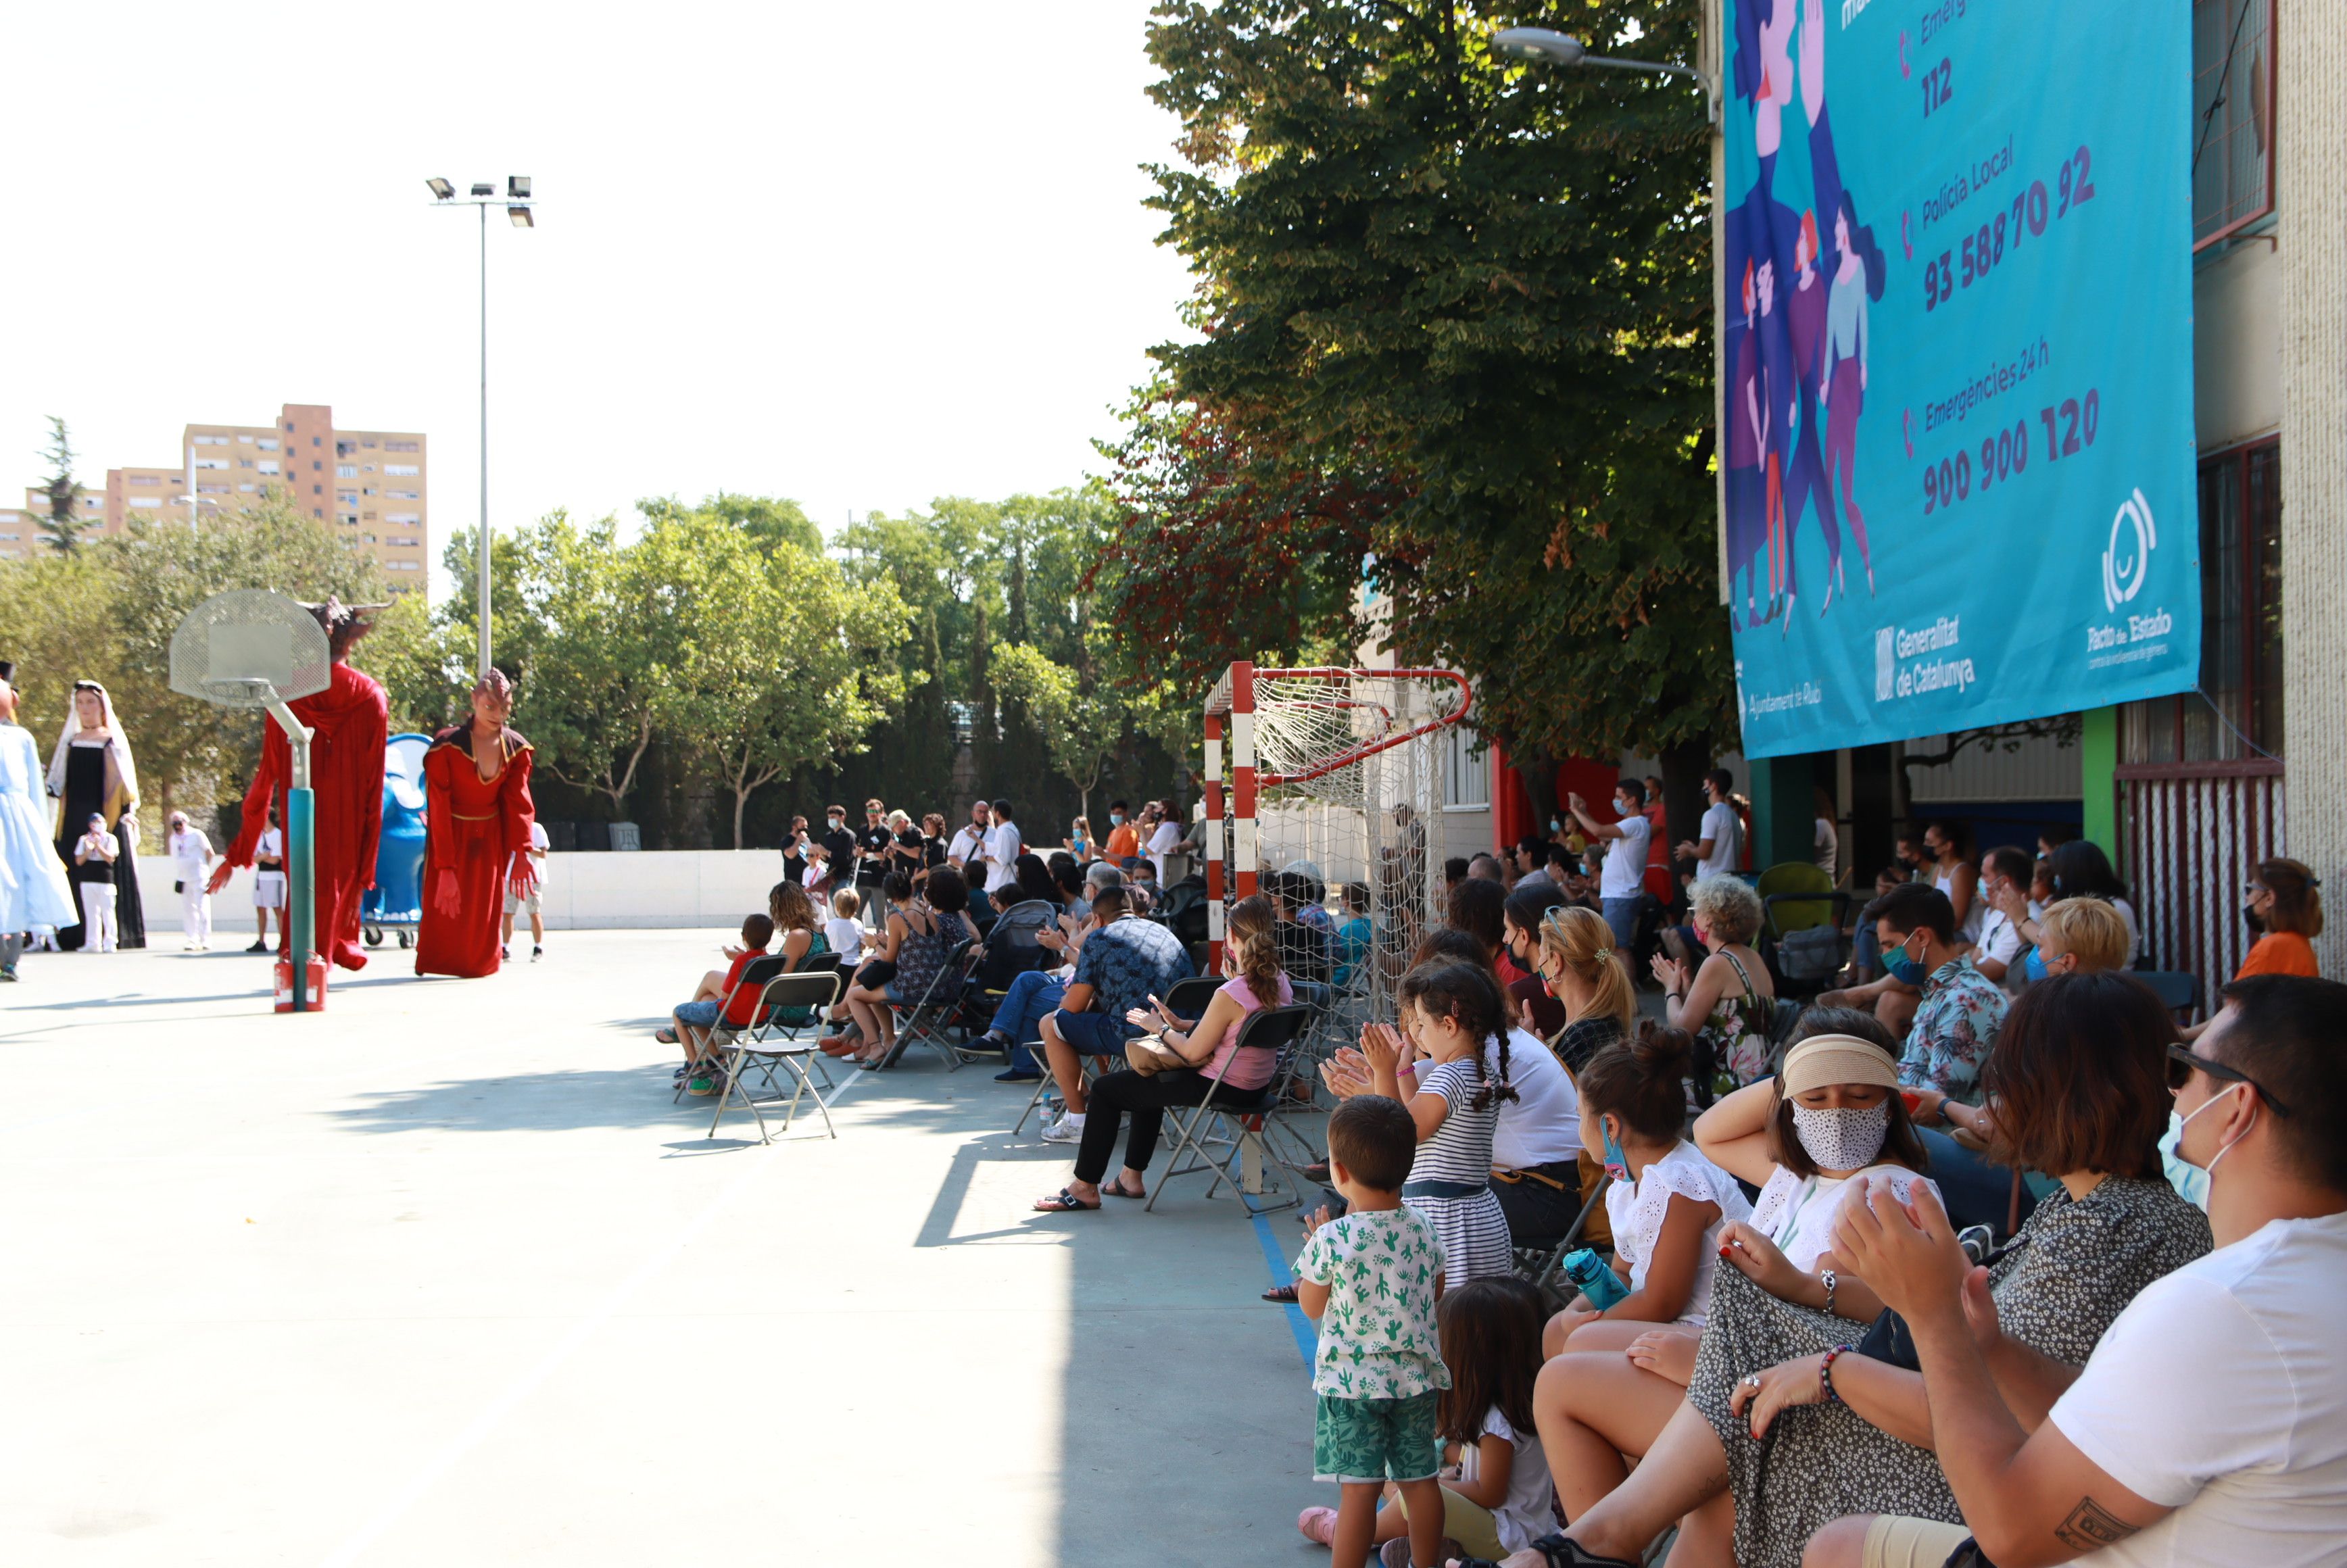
{"x":1148,"y":1055}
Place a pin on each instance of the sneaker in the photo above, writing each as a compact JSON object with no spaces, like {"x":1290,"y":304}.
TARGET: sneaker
{"x":260,"y":947}
{"x":1068,"y":1129}
{"x":1016,"y":1076}
{"x":505,"y":952}
{"x":703,"y":1086}
{"x":10,"y":973}
{"x":536,"y":954}
{"x":683,"y":1071}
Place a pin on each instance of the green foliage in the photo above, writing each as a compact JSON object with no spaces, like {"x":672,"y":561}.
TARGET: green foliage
{"x":1454,"y":316}
{"x":62,"y":529}
{"x":1083,"y":729}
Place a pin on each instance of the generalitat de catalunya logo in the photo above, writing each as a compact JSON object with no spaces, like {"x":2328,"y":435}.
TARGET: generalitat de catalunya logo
{"x":2127,"y":559}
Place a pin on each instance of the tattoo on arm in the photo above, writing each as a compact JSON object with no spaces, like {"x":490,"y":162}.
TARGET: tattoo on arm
{"x":2092,"y":1527}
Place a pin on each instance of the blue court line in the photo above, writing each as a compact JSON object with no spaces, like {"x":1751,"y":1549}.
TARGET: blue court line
{"x":1307,"y":1337}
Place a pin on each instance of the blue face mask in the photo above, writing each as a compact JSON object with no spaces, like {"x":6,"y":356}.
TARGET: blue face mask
{"x":1116,"y":819}
{"x":1904,"y":970}
{"x":1618,"y":1163}
{"x":2033,"y":966}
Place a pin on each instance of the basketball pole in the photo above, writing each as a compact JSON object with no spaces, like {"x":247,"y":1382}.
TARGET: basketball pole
{"x":301,"y":876}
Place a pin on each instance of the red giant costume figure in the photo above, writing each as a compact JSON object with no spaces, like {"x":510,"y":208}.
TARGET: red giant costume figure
{"x":351,"y":720}
{"x":477,"y":818}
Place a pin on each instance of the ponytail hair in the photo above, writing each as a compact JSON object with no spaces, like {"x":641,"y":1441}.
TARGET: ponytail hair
{"x":1254,"y":938}
{"x":1643,"y":1080}
{"x":1468,"y":996}
{"x":1581,"y":940}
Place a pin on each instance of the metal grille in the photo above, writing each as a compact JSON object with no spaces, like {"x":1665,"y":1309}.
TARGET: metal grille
{"x":2194,"y":836}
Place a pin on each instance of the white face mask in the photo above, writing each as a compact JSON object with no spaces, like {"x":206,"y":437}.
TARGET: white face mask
{"x":2209,"y":1170}
{"x":1843,"y":1139}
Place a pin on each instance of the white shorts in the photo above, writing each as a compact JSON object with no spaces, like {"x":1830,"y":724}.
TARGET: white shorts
{"x":269,"y":889}
{"x":530,"y":906}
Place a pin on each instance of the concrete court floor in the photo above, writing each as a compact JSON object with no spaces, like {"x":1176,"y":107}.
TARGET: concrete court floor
{"x":439,"y":1277}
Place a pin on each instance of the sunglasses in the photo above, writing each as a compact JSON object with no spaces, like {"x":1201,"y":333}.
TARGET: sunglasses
{"x":2182,"y":1064}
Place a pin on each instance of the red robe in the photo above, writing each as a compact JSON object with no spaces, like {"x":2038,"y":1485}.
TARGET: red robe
{"x":352,"y":721}
{"x":473,"y":828}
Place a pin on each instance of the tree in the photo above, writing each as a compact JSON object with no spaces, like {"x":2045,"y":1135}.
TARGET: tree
{"x":1454,"y":320}
{"x":63,"y":527}
{"x":780,"y":661}
{"x":1083,"y":730}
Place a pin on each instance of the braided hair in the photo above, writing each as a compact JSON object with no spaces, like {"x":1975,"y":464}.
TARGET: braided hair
{"x":1466,"y":994}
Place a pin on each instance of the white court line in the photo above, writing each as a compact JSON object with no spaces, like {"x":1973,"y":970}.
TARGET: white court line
{"x":494,"y":1413}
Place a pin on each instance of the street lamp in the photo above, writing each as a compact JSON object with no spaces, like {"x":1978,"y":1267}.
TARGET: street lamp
{"x":516,"y":201}
{"x":1554,"y":49}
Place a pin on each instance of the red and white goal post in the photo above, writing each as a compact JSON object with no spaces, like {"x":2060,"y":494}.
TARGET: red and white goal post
{"x":1334,"y":773}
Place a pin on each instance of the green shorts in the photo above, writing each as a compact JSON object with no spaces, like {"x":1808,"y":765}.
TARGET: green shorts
{"x":1362,"y":1441}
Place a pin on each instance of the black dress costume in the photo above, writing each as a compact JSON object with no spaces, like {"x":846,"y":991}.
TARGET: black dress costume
{"x":86,"y":792}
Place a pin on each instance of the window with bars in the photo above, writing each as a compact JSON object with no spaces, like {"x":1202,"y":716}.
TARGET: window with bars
{"x":2236,"y":716}
{"x":2232,"y":117}
{"x":1466,"y":773}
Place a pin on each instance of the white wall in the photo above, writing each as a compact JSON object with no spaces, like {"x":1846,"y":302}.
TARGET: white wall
{"x":653,"y":888}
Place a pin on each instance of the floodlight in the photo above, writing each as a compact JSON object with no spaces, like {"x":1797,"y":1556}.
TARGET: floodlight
{"x":517,"y":185}
{"x":521,"y":216}
{"x":441,"y":188}
{"x":1541,"y":44}
{"x":482,"y":188}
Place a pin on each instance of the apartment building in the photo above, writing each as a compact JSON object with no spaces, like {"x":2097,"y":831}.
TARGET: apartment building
{"x":370,"y":485}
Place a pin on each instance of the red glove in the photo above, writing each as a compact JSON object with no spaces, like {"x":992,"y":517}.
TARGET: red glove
{"x":444,"y":898}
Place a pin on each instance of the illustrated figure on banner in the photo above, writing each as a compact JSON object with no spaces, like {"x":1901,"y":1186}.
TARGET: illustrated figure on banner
{"x":350,"y":720}
{"x":92,"y":774}
{"x":1796,"y":354}
{"x":34,"y":895}
{"x":478,"y":813}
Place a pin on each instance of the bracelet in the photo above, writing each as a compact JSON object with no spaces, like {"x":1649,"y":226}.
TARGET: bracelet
{"x":1831,"y":1281}
{"x":1824,"y":1374}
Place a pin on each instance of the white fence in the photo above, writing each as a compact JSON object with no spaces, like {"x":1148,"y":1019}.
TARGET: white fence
{"x":652,"y":888}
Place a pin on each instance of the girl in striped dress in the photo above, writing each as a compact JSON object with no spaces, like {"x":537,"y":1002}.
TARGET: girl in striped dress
{"x":1455,"y":1015}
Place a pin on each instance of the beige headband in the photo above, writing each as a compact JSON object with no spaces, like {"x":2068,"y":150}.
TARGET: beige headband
{"x":1828,"y":1058}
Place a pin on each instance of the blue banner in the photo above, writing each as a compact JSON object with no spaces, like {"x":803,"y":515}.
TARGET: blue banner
{"x":1957,"y":419}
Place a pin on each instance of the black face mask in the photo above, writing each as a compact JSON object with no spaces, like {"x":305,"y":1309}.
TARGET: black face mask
{"x":2256,"y":925}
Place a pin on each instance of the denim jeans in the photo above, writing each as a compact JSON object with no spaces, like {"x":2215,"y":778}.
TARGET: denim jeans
{"x":1032,"y":993}
{"x":1622,"y":919}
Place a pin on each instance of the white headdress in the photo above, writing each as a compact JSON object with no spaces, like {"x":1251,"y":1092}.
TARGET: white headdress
{"x":118,"y":747}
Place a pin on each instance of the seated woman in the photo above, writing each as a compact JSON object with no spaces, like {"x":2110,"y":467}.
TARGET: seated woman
{"x":1728,"y":997}
{"x":1608,"y":1391}
{"x":1581,"y":969}
{"x":792,"y":915}
{"x":1520,"y":922}
{"x":873,"y":993}
{"x":934,"y":927}
{"x":2077,"y":1088}
{"x":1208,"y":1044}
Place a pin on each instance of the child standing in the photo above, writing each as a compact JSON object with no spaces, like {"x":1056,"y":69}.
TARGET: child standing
{"x":844,"y":930}
{"x":1496,"y":1497}
{"x":1455,"y":1015}
{"x":1370,"y":1279}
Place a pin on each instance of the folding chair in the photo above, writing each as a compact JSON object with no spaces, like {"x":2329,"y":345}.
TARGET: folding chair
{"x":754,"y":977}
{"x":940,"y":1003}
{"x":769,"y":1044}
{"x":1241,"y":1123}
{"x":1540,"y":1269}
{"x":1184,"y":998}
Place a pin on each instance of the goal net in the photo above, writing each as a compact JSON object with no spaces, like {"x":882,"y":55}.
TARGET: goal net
{"x":1327,"y":787}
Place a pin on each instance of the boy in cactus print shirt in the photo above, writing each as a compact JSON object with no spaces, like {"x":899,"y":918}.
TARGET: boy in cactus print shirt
{"x":1370,"y":1279}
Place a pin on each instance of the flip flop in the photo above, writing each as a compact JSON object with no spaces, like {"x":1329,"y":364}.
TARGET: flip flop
{"x":1280,"y":1292}
{"x":1064,"y":1203}
{"x":666,"y":1036}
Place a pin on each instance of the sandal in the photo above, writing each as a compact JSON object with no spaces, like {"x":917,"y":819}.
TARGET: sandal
{"x":1063,"y":1203}
{"x":1284,"y":1294}
{"x":1317,"y":1524}
{"x":1557,"y":1552}
{"x":666,"y":1036}
{"x":1114,"y":1188}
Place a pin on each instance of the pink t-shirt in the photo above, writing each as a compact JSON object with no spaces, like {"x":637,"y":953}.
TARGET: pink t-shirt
{"x":1255,"y":1071}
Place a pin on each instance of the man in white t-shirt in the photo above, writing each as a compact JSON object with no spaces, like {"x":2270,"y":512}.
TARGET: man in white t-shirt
{"x":1003,"y":848}
{"x":2000,"y":939}
{"x":532,"y":904}
{"x":191,"y":863}
{"x":1715,"y":854}
{"x":1163,"y":834}
{"x":966,"y":851}
{"x":2209,"y":1429}
{"x":1626,"y":855}
{"x":268,"y":882}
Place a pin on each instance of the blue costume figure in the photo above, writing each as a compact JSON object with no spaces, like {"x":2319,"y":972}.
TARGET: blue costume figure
{"x":34,"y":893}
{"x":395,"y":902}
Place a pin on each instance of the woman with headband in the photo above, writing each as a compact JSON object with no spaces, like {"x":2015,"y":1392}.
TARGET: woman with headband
{"x":91,"y":773}
{"x":477,"y":780}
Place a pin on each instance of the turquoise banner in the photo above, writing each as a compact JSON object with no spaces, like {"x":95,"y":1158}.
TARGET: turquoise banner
{"x":1958,"y":364}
